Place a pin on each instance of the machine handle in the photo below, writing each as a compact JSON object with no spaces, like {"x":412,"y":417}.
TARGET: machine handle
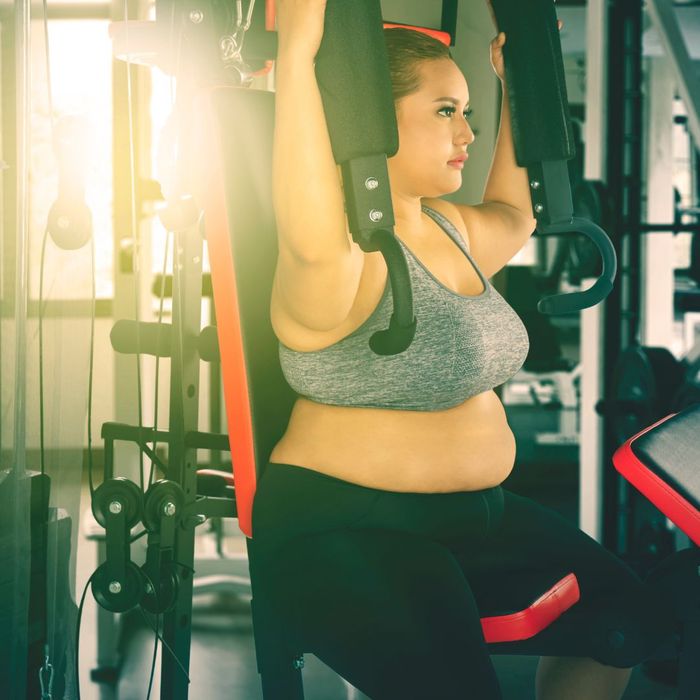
{"x":575,"y":301}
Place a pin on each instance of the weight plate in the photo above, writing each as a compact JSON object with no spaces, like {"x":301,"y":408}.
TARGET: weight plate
{"x":645,"y":382}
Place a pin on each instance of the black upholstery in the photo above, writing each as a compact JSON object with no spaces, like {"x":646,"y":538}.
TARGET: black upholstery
{"x":671,"y":452}
{"x":536,"y":86}
{"x":245,"y":119}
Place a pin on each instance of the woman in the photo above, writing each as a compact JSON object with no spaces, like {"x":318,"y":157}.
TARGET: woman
{"x":381,"y":510}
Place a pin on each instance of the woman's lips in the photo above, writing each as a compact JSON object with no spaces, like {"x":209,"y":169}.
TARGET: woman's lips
{"x":458,"y":162}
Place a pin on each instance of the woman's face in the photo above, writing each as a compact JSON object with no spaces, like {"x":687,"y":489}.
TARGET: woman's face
{"x":433,"y":133}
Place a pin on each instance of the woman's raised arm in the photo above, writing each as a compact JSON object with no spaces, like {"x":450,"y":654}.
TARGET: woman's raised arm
{"x":319,"y":267}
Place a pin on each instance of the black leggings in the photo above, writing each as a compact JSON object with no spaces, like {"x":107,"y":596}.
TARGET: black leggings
{"x":387,"y":587}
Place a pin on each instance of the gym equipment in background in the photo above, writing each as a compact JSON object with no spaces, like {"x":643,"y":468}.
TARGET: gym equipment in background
{"x":661,"y":462}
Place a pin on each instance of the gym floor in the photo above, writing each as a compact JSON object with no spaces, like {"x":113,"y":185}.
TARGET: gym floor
{"x":222,"y":664}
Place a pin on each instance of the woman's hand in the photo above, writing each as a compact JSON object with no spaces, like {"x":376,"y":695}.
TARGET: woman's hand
{"x":300,"y":27}
{"x":497,"y":55}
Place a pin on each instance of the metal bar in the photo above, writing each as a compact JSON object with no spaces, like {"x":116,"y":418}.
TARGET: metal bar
{"x":22,"y":111}
{"x":668,"y":228}
{"x":624,"y":164}
{"x":591,"y":462}
{"x":591,"y":470}
{"x":108,"y":471}
{"x":133,"y":433}
{"x":448,"y":21}
{"x":184,"y":403}
{"x":215,"y":507}
{"x":215,"y":414}
{"x":208,"y":441}
{"x":596,"y":89}
{"x":665,"y":19}
{"x":20,"y":484}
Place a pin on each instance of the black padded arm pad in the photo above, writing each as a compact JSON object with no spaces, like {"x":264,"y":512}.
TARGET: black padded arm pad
{"x":352,"y":71}
{"x":535,"y":81}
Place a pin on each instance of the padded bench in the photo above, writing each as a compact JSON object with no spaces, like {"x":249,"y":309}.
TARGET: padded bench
{"x":663,"y":463}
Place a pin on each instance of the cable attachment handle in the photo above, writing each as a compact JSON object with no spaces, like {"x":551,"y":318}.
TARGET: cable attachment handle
{"x":231,"y":46}
{"x":371,"y":222}
{"x":46,"y":677}
{"x":402,"y":324}
{"x":575,"y":301}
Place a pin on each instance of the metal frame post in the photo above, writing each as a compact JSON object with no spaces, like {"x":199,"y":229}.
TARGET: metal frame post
{"x":624,"y":167}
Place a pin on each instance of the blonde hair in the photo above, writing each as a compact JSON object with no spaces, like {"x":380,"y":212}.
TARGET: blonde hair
{"x":406,"y":49}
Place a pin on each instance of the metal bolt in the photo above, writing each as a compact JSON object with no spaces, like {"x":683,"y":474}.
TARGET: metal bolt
{"x":539,"y":208}
{"x":376,"y":215}
{"x":196,"y":16}
{"x":115,"y":587}
{"x":535,"y":184}
{"x":298,"y":663}
{"x":195,"y":520}
{"x":115,"y":507}
{"x":169,"y":509}
{"x":371,"y":183}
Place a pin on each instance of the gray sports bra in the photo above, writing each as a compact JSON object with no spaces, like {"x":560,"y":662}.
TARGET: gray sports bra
{"x":464,"y":345}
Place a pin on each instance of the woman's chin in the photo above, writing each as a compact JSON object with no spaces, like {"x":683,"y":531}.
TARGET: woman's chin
{"x":453,"y":186}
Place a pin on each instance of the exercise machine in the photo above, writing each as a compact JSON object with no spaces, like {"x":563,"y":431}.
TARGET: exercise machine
{"x":232,"y":124}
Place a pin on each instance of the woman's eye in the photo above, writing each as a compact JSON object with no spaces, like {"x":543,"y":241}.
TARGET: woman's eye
{"x":448,"y":111}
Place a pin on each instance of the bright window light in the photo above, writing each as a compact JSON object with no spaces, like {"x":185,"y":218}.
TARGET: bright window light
{"x":81,"y":82}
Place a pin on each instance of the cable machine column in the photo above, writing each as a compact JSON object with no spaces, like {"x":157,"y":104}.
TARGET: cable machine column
{"x":184,"y":405}
{"x":624,"y":167}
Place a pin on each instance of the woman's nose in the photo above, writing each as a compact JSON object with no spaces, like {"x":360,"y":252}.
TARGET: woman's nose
{"x":465,"y":134}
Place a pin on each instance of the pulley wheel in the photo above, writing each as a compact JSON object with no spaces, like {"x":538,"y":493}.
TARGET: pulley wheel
{"x":123,"y":492}
{"x":161,"y":496}
{"x":117,"y":595}
{"x":160,"y":590}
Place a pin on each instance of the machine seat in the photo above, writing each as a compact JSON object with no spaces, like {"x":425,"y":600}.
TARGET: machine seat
{"x":539,"y":609}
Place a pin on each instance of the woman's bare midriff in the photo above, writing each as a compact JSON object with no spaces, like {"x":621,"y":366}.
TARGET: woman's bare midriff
{"x":465,"y":448}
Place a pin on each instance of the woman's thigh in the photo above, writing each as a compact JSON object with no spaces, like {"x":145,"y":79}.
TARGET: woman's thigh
{"x":391,"y":612}
{"x":617,"y":620}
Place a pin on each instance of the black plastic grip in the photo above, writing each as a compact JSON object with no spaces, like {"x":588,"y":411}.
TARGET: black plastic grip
{"x":402,"y":325}
{"x":535,"y":81}
{"x":575,"y":301}
{"x":352,"y":71}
